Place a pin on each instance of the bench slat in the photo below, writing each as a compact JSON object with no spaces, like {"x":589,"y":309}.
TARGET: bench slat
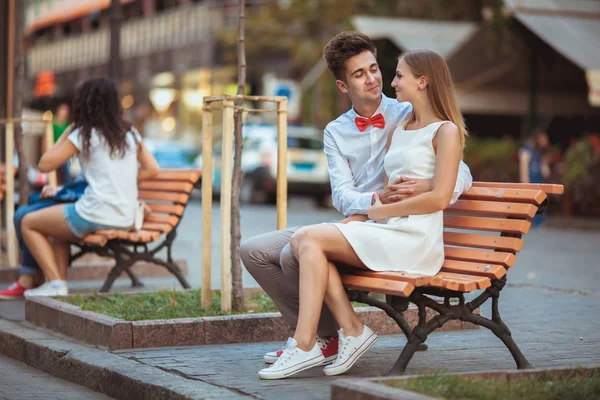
{"x":483,"y":256}
{"x":483,"y":241}
{"x":378,"y":281}
{"x":163,"y":196}
{"x":414,"y":279}
{"x":153,"y":226}
{"x":189,"y":175}
{"x":505,"y":194}
{"x":494,"y":208}
{"x":378,"y":285}
{"x":161,"y":218}
{"x":491,"y":271}
{"x":141,"y":236}
{"x":487,"y":224}
{"x":462,"y":282}
{"x":94,"y":239}
{"x":174,"y":209}
{"x":164,"y":186}
{"x":545,"y":187}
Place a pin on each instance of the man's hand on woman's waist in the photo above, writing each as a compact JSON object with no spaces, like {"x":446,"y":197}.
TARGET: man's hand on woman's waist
{"x":403,"y":188}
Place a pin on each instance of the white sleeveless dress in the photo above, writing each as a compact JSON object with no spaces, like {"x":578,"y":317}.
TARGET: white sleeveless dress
{"x":415,"y":243}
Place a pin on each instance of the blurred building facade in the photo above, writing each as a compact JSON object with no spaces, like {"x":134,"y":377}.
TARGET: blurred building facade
{"x":169,"y":57}
{"x":541,"y":66}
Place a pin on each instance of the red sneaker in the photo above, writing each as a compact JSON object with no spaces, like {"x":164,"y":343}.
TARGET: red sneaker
{"x":328,"y":345}
{"x":14,"y":292}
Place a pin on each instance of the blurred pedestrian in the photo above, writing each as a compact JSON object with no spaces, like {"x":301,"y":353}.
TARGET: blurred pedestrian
{"x":60,"y":123}
{"x":533,"y":163}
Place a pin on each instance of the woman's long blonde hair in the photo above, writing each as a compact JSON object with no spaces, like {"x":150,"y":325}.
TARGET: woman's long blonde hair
{"x":440,"y":89}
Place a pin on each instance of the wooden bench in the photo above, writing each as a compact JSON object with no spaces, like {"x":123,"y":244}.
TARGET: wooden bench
{"x":167,"y":196}
{"x":473,"y":262}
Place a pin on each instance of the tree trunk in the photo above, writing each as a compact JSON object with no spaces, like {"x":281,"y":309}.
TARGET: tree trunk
{"x":115,"y":41}
{"x":18,"y":101}
{"x":236,"y":265}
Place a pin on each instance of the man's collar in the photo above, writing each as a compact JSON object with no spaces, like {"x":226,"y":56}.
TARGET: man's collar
{"x":380,"y":109}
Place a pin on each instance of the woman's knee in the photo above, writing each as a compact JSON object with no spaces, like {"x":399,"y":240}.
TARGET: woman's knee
{"x":27,"y":221}
{"x":303,"y":237}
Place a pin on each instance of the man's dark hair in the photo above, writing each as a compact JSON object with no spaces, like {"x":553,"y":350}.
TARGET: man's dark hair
{"x":344,"y":46}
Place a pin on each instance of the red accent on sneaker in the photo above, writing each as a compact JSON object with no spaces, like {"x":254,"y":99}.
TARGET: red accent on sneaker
{"x":14,"y":292}
{"x":329,"y":346}
{"x":279,"y":352}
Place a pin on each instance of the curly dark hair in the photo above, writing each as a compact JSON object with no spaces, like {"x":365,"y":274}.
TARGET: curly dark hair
{"x":96,"y":106}
{"x":344,"y":46}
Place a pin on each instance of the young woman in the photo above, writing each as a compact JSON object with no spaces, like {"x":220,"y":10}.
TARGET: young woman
{"x":402,"y":236}
{"x":109,"y":151}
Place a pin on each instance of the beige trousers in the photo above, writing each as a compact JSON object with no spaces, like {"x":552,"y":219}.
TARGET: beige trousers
{"x":271,"y":262}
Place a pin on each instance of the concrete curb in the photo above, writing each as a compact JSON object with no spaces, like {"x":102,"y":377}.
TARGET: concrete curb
{"x":373,"y":389}
{"x":116,"y":334}
{"x":101,"y":371}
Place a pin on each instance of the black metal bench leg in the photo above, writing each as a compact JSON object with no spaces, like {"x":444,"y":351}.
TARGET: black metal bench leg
{"x":407,"y":354}
{"x":135,"y":282}
{"x":175,"y":270}
{"x":120,"y":266}
{"x":503,"y":333}
{"x":510,"y":344}
{"x":390,"y":310}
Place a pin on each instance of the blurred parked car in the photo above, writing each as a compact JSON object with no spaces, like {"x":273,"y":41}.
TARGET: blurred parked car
{"x":306,"y":170}
{"x":172,"y":154}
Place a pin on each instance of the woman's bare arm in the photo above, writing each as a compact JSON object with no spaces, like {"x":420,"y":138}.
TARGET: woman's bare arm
{"x":148,"y":164}
{"x":57,"y":155}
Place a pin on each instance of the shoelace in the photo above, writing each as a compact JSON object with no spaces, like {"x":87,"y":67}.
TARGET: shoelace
{"x":342,"y":347}
{"x":282,"y":359}
{"x":323,"y":343}
{"x":13,"y":286}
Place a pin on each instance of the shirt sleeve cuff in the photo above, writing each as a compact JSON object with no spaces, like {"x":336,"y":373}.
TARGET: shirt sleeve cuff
{"x":365,"y":202}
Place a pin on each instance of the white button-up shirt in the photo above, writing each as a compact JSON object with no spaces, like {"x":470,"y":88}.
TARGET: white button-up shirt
{"x":355,"y":158}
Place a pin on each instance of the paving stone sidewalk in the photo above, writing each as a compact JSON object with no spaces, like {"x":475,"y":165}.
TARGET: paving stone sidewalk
{"x":553,"y":328}
{"x":22,"y":382}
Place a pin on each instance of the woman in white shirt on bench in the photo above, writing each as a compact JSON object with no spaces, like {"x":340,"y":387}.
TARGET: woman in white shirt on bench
{"x":109,"y":150}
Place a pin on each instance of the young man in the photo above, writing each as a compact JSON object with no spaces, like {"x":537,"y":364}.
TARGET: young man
{"x":355,"y":146}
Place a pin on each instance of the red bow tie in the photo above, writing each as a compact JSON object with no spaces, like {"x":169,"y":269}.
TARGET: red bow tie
{"x":377,"y":121}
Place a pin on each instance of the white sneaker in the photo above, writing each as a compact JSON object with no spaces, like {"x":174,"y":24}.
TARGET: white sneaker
{"x":52,"y":288}
{"x":350,"y":349}
{"x":272,"y":356}
{"x":328,"y":345}
{"x":292,"y":361}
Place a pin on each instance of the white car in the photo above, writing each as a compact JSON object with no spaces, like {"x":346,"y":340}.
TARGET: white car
{"x":306,"y":170}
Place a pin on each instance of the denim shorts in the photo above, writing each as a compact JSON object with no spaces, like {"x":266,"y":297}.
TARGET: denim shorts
{"x":80,"y":226}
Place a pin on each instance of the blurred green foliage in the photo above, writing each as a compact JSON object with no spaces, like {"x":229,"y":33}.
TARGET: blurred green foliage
{"x":492,"y":160}
{"x":582,"y":174}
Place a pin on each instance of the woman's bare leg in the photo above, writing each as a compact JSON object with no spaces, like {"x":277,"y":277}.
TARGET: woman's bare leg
{"x":320,"y":281}
{"x":62,"y":250}
{"x":37,"y":228}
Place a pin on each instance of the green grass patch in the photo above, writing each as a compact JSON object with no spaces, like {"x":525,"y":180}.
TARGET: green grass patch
{"x":165,"y":304}
{"x":578,"y":384}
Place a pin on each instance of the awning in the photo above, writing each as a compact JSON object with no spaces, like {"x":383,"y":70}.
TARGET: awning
{"x":413,"y":34}
{"x":41,"y":15}
{"x":572,"y":28}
